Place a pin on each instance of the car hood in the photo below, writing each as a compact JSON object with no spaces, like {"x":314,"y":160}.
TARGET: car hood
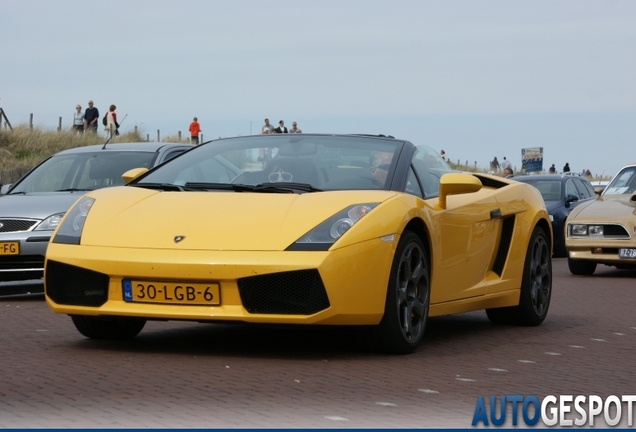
{"x":37,"y":206}
{"x":612,"y":208}
{"x":142,"y":218}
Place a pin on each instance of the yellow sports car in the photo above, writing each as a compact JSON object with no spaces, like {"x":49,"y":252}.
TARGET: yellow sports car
{"x":358,"y":230}
{"x":604,"y":231}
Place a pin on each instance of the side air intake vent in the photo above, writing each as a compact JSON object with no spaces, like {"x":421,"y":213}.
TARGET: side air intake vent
{"x":507,"y":227}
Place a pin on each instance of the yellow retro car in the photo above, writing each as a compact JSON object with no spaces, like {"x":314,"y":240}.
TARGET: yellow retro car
{"x":604,"y":231}
{"x":361,"y":230}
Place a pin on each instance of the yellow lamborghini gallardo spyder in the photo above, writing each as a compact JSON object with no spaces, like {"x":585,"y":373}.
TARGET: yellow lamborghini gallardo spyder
{"x":361,"y":230}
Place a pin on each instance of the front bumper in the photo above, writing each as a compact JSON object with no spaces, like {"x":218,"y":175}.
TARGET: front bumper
{"x":29,"y":263}
{"x":355,"y":279}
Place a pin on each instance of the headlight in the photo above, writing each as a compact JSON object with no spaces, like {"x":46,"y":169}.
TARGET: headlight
{"x":70,"y":231}
{"x":324,"y":235}
{"x":595,"y":230}
{"x":578,"y":230}
{"x":50,"y":223}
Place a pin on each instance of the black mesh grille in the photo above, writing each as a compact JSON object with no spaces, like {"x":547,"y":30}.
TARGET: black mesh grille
{"x":16,"y":225}
{"x":69,"y":285}
{"x":492,"y":183}
{"x":296,"y":292}
{"x":615,"y":231}
{"x":507,"y":227}
{"x":21,"y":267}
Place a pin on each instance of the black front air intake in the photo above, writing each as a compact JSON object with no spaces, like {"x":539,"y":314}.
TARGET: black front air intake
{"x":292,"y":293}
{"x":69,"y":285}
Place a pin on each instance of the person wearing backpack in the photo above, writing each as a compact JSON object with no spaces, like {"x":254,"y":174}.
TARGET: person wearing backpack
{"x":110,"y":121}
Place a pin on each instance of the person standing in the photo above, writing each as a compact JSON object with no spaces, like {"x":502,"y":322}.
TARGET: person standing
{"x":552,"y":169}
{"x":195,"y":130}
{"x":269,"y":127}
{"x":91,"y":117}
{"x":494,"y":165}
{"x":281,"y":127}
{"x":111,"y":122}
{"x":505,"y":163}
{"x":78,"y":120}
{"x":566,"y":168}
{"x":295,"y":129}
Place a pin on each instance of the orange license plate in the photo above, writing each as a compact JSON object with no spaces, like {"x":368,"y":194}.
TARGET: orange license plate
{"x":10,"y":248}
{"x":187,"y":293}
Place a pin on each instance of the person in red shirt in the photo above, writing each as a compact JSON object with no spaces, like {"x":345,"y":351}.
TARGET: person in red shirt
{"x":195,"y":130}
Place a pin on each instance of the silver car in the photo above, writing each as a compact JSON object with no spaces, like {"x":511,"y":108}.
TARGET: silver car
{"x":31,"y":208}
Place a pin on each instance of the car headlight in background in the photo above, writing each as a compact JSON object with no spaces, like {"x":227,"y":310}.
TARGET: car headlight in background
{"x":324,"y":235}
{"x":50,"y":223}
{"x":581,"y":230}
{"x":70,"y":231}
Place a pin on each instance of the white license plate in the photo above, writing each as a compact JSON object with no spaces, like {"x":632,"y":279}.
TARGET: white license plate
{"x":627,"y":253}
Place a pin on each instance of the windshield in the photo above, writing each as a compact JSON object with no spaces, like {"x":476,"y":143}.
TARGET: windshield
{"x":82,"y":171}
{"x":302,"y":163}
{"x":623,"y":183}
{"x":550,"y":189}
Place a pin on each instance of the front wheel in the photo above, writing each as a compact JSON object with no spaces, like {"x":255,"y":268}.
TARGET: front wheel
{"x":110,"y":328}
{"x":536,"y":286}
{"x":407,"y":299}
{"x":581,"y":267}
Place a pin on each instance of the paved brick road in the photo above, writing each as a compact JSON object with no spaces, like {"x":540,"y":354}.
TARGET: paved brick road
{"x":198,"y":375}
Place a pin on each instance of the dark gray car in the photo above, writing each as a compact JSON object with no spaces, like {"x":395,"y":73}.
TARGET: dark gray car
{"x":561,"y":194}
{"x":31,"y":208}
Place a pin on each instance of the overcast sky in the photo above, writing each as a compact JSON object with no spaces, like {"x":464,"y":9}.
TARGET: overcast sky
{"x":475,"y":78}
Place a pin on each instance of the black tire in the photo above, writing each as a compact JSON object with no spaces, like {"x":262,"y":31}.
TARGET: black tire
{"x":407,"y":299}
{"x":109,"y":328}
{"x":581,"y":267}
{"x":536,"y":286}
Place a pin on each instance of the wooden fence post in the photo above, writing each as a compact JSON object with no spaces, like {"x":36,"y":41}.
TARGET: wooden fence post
{"x":158,"y":136}
{"x":179,"y":136}
{"x":31,"y":121}
{"x":147,"y":137}
{"x":135,"y":129}
{"x":59,"y":125}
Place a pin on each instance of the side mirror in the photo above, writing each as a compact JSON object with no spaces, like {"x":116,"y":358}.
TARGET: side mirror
{"x":456,"y":184}
{"x":132,"y":174}
{"x":598,"y":190}
{"x":5,"y":188}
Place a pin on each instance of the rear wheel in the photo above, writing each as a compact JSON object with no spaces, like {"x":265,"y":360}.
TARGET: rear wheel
{"x":536,"y":286}
{"x":407,"y":299}
{"x":581,"y":267}
{"x":108,"y":327}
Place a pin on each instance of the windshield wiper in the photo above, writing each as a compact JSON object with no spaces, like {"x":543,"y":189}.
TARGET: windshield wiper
{"x":160,"y":186}
{"x":73,"y":190}
{"x":263,"y":187}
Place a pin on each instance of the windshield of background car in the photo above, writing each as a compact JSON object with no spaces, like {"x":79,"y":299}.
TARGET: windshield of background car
{"x":550,"y":189}
{"x":85,"y":171}
{"x":324,"y":162}
{"x":623,"y":183}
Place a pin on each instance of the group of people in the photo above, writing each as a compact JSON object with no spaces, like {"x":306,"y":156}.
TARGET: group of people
{"x":269,"y":129}
{"x":88,"y":120}
{"x":505,"y":166}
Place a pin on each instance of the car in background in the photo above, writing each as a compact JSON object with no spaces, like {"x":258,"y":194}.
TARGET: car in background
{"x":31,"y":208}
{"x":366,"y":231}
{"x":561,"y":193}
{"x":604,"y":231}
